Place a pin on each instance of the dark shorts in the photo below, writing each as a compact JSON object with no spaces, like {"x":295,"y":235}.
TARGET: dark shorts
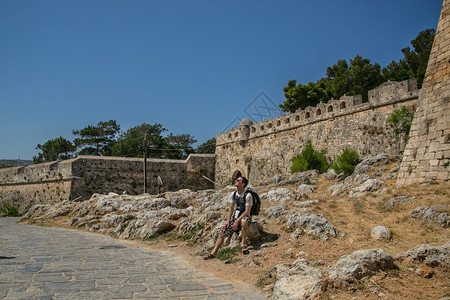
{"x":229,"y":229}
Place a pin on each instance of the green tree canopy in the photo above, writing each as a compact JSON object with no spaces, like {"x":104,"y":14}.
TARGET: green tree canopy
{"x":208,"y":147}
{"x":417,"y":59}
{"x":357,"y":78}
{"x":301,"y":96}
{"x":55,"y":149}
{"x":131,"y":143}
{"x":343,"y":78}
{"x":181,"y":142}
{"x":98,"y":139}
{"x":359,"y":75}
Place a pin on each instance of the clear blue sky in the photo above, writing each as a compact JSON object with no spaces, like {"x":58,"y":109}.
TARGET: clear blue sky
{"x":192,"y":66}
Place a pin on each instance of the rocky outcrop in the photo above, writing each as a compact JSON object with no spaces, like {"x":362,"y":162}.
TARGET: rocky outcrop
{"x":297,"y":281}
{"x":397,"y":201}
{"x":359,"y":264}
{"x":360,"y":183}
{"x":432,"y":256}
{"x":437,"y":214}
{"x":312,"y":224}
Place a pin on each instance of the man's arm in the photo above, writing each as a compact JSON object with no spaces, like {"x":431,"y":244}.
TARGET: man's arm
{"x":230,"y":213}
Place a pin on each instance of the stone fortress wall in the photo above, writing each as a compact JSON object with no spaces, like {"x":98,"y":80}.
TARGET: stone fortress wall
{"x":426,"y":156}
{"x":77,"y":179}
{"x":261,"y":150}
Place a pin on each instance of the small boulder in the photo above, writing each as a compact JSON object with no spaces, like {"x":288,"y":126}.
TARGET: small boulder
{"x":381,"y":233}
{"x":370,"y":185}
{"x":298,"y":280}
{"x":432,"y":256}
{"x":278,"y":195}
{"x":396,"y":201}
{"x":274,"y":212}
{"x":314,"y":224}
{"x":305,"y":189}
{"x":359,"y":264}
{"x":436,"y":214}
{"x":179,"y":203}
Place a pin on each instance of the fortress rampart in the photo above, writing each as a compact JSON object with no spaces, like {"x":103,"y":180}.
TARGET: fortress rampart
{"x":79,"y":178}
{"x":261,"y":150}
{"x":427,"y":155}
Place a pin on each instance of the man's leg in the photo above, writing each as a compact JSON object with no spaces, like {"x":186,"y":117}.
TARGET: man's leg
{"x":244,"y":227}
{"x":219,"y":243}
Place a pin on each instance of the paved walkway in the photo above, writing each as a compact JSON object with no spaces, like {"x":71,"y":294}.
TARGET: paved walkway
{"x":56,"y":263}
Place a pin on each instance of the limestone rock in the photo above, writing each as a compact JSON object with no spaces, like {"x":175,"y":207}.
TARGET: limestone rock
{"x":360,"y":264}
{"x":179,"y":203}
{"x":391,"y":203}
{"x":274,"y":212}
{"x":305,"y":189}
{"x":255,"y":231}
{"x":307,"y":203}
{"x":339,"y":188}
{"x":278,"y":195}
{"x":381,"y":159}
{"x":278,"y":178}
{"x":330,"y":174}
{"x":370,"y":185}
{"x":313,"y":224}
{"x":431,"y":255}
{"x":381,"y":233}
{"x":307,"y":177}
{"x":437,"y":214}
{"x":297,"y":281}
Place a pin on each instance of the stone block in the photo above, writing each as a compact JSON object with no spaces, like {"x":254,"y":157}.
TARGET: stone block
{"x":434,"y":162}
{"x":443,"y":175}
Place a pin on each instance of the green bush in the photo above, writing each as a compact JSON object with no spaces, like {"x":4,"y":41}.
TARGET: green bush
{"x":228,"y":253}
{"x":309,"y":159}
{"x":345,"y":162}
{"x":194,"y":230}
{"x":401,"y":119}
{"x":9,"y":211}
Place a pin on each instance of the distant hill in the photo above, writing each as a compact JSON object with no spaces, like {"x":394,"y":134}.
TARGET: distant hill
{"x":6,"y":163}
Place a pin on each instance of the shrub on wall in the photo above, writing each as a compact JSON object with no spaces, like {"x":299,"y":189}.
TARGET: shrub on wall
{"x":309,"y":159}
{"x":401,"y":119}
{"x":345,"y":162}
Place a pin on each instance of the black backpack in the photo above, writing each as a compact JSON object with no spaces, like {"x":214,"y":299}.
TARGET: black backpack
{"x":256,"y":201}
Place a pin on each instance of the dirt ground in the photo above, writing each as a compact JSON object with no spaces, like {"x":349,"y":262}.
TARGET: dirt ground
{"x":354,"y":218}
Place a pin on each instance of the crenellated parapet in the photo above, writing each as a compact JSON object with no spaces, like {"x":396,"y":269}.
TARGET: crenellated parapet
{"x":385,"y":94}
{"x":260,"y":150}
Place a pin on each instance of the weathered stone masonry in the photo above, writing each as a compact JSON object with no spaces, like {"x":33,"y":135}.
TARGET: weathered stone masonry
{"x":79,"y":178}
{"x":259,"y":151}
{"x":426,"y":156}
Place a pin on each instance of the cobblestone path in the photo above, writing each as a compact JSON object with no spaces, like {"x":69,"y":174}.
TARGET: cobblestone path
{"x":56,"y":263}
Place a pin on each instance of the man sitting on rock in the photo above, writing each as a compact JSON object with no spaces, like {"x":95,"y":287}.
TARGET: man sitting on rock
{"x":238,"y":217}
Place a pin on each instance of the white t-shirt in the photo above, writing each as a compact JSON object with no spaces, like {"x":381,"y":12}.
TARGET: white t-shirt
{"x":248,"y":198}
{"x":248,"y":201}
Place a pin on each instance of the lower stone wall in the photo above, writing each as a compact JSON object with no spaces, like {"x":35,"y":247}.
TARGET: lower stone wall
{"x":260,"y":158}
{"x":118,"y":175}
{"x":44,"y":183}
{"x":77,"y":179}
